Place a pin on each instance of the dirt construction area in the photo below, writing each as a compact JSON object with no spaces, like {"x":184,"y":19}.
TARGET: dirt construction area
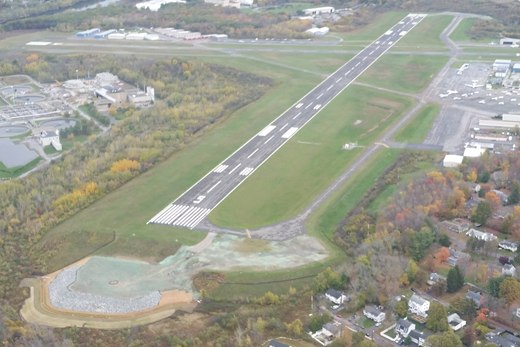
{"x":126,"y":291}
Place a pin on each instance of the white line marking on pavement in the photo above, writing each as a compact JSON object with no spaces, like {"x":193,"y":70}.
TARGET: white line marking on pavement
{"x":236,"y":167}
{"x":199,"y":199}
{"x":329,"y":88}
{"x":358,"y":64}
{"x":214,"y":186}
{"x":194,"y":217}
{"x":220,"y":168}
{"x":196,"y":221}
{"x":347,"y":73}
{"x":297,"y":115}
{"x":267,"y":130}
{"x":306,"y":107}
{"x":364,"y":58}
{"x":317,"y":107}
{"x":339,"y":79}
{"x":269,"y":139}
{"x":299,"y":105}
{"x":246,"y":171}
{"x":250,"y":155}
{"x":319,"y":96}
{"x":283,"y":126}
{"x":289,"y":133}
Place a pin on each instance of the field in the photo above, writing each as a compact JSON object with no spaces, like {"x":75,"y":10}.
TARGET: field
{"x":320,"y":63}
{"x":408,"y":73}
{"x":459,"y":34}
{"x":127,"y":210}
{"x":292,"y":343}
{"x":372,"y":31}
{"x":425,"y":36}
{"x":298,"y":172}
{"x":23,"y":38}
{"x":417,"y":128}
{"x":8,"y":173}
{"x":291,"y":7}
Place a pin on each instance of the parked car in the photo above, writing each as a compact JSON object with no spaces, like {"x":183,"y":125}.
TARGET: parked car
{"x":338,"y":315}
{"x":378,"y":324}
{"x":335,"y":307}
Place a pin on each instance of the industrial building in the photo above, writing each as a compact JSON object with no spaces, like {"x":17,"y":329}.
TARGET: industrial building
{"x":155,"y":5}
{"x":501,"y":65}
{"x":490,"y":137}
{"x":117,"y":36}
{"x":319,"y":10}
{"x":219,"y":37}
{"x":474,"y":152}
{"x":508,"y":41}
{"x":49,"y":137}
{"x":516,"y":68}
{"x":151,"y":37}
{"x":104,"y":34}
{"x":88,"y":33}
{"x":452,"y":160}
{"x":224,"y":3}
{"x":136,"y":36}
{"x":511,"y":117}
{"x":497,"y":124}
{"x":318,"y":31}
{"x":178,"y":33}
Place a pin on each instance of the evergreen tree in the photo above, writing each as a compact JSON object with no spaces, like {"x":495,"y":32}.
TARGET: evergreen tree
{"x":455,"y":279}
{"x":514,"y":197}
{"x":482,"y":213}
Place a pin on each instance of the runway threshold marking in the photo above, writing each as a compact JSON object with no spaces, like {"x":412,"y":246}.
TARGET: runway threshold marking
{"x":250,"y":155}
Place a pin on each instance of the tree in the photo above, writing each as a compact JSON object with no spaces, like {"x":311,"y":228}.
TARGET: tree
{"x":493,"y":200}
{"x":404,"y":280}
{"x":455,"y":279}
{"x":447,"y":339}
{"x":503,"y":260}
{"x":295,"y":328}
{"x":507,"y":224}
{"x":469,"y":309}
{"x":469,"y":337}
{"x":357,"y":337}
{"x":421,"y":242}
{"x":514,"y":197}
{"x":482,"y":213}
{"x":412,"y":270}
{"x":472,"y":177}
{"x":401,"y":308}
{"x":443,"y":255}
{"x":439,"y":288}
{"x":509,"y":290}
{"x":339,"y":343}
{"x":445,"y":240}
{"x":493,"y":286}
{"x":482,"y":273}
{"x":407,"y":340}
{"x":437,"y":318}
{"x":317,"y":321}
{"x":421,"y":278}
{"x":429,"y":263}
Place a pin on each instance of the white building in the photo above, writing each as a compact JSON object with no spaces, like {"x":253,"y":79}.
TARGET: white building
{"x":116,"y":36}
{"x":155,"y":5}
{"x":224,"y":3}
{"x":151,"y":37}
{"x":418,"y":337}
{"x":473,"y":152}
{"x":507,"y":245}
{"x":509,"y":269}
{"x":452,"y":160}
{"x":501,"y":65}
{"x":336,"y":297}
{"x":404,"y":327}
{"x":481,"y":235}
{"x":136,"y":36}
{"x":418,"y":305}
{"x":319,"y":10}
{"x":508,"y":41}
{"x":434,"y":278}
{"x":318,"y":31}
{"x":49,"y":137}
{"x":455,"y":322}
{"x":374,"y":314}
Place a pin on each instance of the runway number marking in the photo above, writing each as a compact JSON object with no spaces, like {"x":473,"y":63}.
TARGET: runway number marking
{"x":214,"y":186}
{"x":250,"y":155}
{"x":199,"y":199}
{"x":236,"y":167}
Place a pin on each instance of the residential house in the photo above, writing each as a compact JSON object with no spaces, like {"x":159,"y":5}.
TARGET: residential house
{"x":418,"y":337}
{"x":331,"y":330}
{"x":274,"y":343}
{"x":434,"y":278}
{"x":500,"y":214}
{"x":481,"y":235}
{"x":503,"y":196}
{"x":508,"y":269}
{"x":507,"y":245}
{"x":500,"y":341}
{"x":404,"y":327}
{"x":454,"y":226}
{"x":418,"y":305}
{"x":336,"y":297}
{"x":455,"y":255}
{"x":474,"y":187}
{"x":475,"y":296}
{"x":373,"y":313}
{"x":455,"y":322}
{"x":512,"y":338}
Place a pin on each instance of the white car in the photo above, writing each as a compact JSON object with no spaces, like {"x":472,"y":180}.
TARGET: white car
{"x":501,"y":103}
{"x":477,"y":92}
{"x":378,"y":324}
{"x":482,"y":102}
{"x":513,"y":99}
{"x":456,"y":98}
{"x":495,"y":98}
{"x":501,"y":97}
{"x":464,"y":95}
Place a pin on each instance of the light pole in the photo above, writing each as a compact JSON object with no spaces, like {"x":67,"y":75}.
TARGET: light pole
{"x":77,"y":79}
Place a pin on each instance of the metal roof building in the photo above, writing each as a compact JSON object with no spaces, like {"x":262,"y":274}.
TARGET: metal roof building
{"x":319,"y":10}
{"x":87,"y":33}
{"x":516,"y":67}
{"x":105,"y":34}
{"x":501,"y":65}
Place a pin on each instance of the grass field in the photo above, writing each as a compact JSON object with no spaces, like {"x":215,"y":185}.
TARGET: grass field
{"x":369,"y":33}
{"x":408,"y":73}
{"x":493,"y":50}
{"x":8,"y":173}
{"x":127,"y":210}
{"x":292,"y":343}
{"x":425,"y":36}
{"x":298,"y":172}
{"x":460,"y":33}
{"x":13,"y":41}
{"x":322,"y":63}
{"x":291,"y":7}
{"x":417,"y":128}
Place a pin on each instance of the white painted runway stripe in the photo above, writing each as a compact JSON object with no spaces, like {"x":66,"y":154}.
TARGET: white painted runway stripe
{"x":289,"y":133}
{"x":299,"y":105}
{"x":346,"y":73}
{"x":193,"y":217}
{"x":250,"y":155}
{"x":267,"y":130}
{"x":173,"y":215}
{"x":198,"y":218}
{"x":318,"y":97}
{"x":269,"y":139}
{"x":246,"y":171}
{"x":329,"y":88}
{"x":160,"y":213}
{"x":192,"y":210}
{"x":236,"y":167}
{"x":166,"y":214}
{"x":220,"y":168}
{"x":339,"y":79}
{"x":358,"y":64}
{"x":283,"y":126}
{"x":298,"y":115}
{"x":214,"y":186}
{"x":306,"y":107}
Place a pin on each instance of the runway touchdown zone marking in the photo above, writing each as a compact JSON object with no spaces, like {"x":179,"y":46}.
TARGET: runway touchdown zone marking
{"x":246,"y":171}
{"x":220,"y":168}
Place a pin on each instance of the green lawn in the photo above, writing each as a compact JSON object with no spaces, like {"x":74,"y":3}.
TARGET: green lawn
{"x":367,"y":323}
{"x":290,"y":7}
{"x":127,"y":210}
{"x":425,"y":36}
{"x":460,"y":33}
{"x":50,"y":150}
{"x":321,"y":63}
{"x":373,"y":30}
{"x":298,"y":172}
{"x":417,"y":128}
{"x":493,"y":49}
{"x":8,"y":173}
{"x":404,"y":73}
{"x":39,"y":35}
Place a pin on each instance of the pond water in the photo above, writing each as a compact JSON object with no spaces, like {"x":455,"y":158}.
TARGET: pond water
{"x":12,"y":130}
{"x":61,"y":123}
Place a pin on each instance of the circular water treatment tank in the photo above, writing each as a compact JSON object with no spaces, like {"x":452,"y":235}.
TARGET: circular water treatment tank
{"x":60,"y":123}
{"x":12,"y":130}
{"x":28,"y":98}
{"x":15,"y":89}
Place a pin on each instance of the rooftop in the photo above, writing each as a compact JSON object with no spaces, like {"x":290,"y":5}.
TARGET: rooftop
{"x":404,"y":323}
{"x":334,"y":293}
{"x":274,"y":343}
{"x":418,"y":300}
{"x":372,"y":310}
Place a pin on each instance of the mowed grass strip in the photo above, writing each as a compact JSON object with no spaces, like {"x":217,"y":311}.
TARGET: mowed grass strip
{"x":425,"y":35}
{"x":311,"y":160}
{"x":461,"y":32}
{"x":372,"y":31}
{"x":417,"y":128}
{"x":321,"y":63}
{"x":127,"y":210}
{"x":403,"y":73}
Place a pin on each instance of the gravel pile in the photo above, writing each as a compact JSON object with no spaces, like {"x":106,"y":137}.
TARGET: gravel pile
{"x":62,"y":297}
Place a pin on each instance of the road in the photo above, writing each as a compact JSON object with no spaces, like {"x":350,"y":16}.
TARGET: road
{"x":196,"y":203}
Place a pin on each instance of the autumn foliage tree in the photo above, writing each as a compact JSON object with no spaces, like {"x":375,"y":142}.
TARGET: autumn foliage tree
{"x":124,"y":165}
{"x":443,"y":254}
{"x":510,"y":290}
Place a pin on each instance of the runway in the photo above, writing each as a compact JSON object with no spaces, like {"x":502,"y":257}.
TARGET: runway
{"x":196,"y":203}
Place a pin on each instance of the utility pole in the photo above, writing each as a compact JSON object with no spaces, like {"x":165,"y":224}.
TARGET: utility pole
{"x":77,"y":79}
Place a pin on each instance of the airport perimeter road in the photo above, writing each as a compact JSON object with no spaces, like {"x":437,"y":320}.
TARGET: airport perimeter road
{"x":197,"y":202}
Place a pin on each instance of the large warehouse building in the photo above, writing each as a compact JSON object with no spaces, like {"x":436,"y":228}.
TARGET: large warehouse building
{"x":508,"y":41}
{"x":511,"y":117}
{"x":88,"y":33}
{"x":105,"y":34}
{"x":501,"y":65}
{"x":318,"y":10}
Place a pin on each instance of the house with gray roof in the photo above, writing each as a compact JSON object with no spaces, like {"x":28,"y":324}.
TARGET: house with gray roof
{"x":374,"y":314}
{"x":434,"y":278}
{"x":500,"y":341}
{"x":418,"y":305}
{"x":418,"y":337}
{"x":507,"y":245}
{"x":336,"y":297}
{"x":503,"y":196}
{"x":404,"y":327}
{"x":475,"y":296}
{"x":508,"y":269}
{"x":481,"y":235}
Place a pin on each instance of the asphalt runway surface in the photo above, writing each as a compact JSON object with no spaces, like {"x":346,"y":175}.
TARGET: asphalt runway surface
{"x":196,"y":203}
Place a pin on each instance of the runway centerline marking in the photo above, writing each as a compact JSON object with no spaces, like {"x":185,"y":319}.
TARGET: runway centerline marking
{"x":319,"y":96}
{"x":297,"y":115}
{"x":214,"y":186}
{"x":309,"y":105}
{"x":339,"y":79}
{"x":250,"y":155}
{"x":269,"y":139}
{"x":329,"y":88}
{"x":236,"y":167}
{"x":283,"y":126}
